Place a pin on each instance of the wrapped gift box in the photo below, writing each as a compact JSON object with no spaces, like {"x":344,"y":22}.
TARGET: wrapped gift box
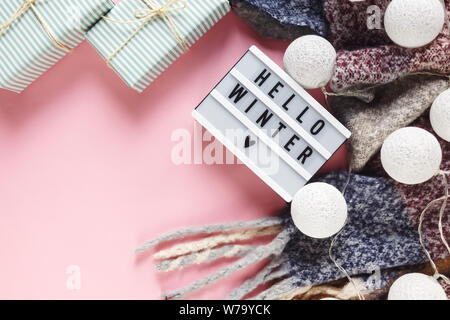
{"x":27,"y":49}
{"x":139,"y":43}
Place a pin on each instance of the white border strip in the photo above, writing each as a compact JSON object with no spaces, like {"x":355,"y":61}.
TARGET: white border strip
{"x":305,"y":95}
{"x":242,"y":156}
{"x":261,"y":135}
{"x":283,"y":115}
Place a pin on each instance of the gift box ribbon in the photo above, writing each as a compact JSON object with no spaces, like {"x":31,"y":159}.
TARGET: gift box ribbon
{"x":30,"y":5}
{"x":147,"y":14}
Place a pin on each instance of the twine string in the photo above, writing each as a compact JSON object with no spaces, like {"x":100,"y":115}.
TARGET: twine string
{"x":442,"y":210}
{"x":147,"y":14}
{"x":444,"y":198}
{"x":333,"y":242}
{"x":437,"y":275}
{"x":30,"y":5}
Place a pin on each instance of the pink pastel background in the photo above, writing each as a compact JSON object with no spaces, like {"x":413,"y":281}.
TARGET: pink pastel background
{"x":86,"y":174}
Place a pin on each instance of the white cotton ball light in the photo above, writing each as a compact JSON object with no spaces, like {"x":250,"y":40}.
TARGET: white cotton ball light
{"x":411,"y":155}
{"x":440,"y":115}
{"x":319,"y":210}
{"x":416,"y":286}
{"x":414,"y":23}
{"x":310,"y":60}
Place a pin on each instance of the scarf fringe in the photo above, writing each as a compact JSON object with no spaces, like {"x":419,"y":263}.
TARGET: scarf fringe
{"x":206,"y":256}
{"x":215,"y":241}
{"x":193,"y":231}
{"x":273,"y":249}
{"x":264,"y":276}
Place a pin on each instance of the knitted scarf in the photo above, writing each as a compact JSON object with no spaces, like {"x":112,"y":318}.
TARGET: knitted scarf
{"x":381,"y":236}
{"x":396,"y":105}
{"x":380,"y":241}
{"x":368,"y":57}
{"x":286,"y":20}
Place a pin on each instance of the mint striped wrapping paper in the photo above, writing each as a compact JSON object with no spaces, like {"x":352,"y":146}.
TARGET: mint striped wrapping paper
{"x":155,"y":47}
{"x":26,"y":51}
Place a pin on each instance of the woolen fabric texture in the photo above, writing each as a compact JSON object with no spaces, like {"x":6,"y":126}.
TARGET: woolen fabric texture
{"x":377,"y":289}
{"x":382,"y":228}
{"x":379,"y":234}
{"x":367,"y":57}
{"x":348,"y":24}
{"x":417,"y":197}
{"x":394,"y":106}
{"x":286,"y":20}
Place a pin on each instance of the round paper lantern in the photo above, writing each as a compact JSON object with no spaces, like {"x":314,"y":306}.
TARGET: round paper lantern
{"x":411,"y":155}
{"x":414,"y":23}
{"x":310,"y":60}
{"x":416,"y":286}
{"x":319,"y":210}
{"x":440,"y":115}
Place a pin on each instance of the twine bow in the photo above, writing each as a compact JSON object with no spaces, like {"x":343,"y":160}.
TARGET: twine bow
{"x":147,"y":14}
{"x":30,"y":5}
